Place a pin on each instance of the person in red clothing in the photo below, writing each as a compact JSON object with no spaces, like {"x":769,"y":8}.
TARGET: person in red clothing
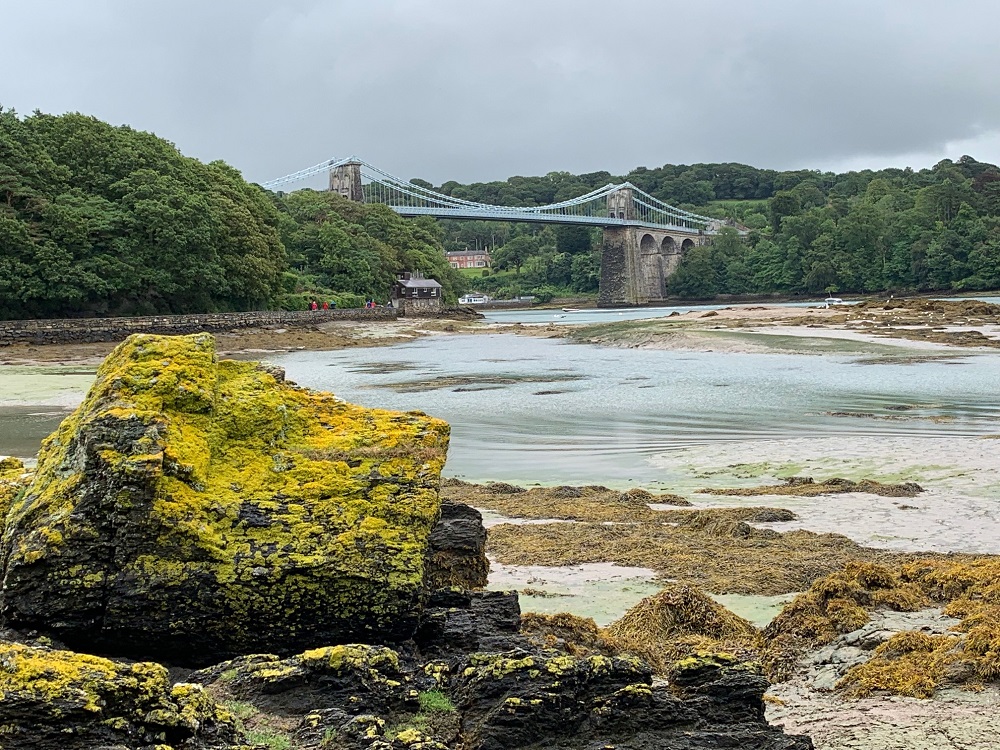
{"x":313,"y":305}
{"x":326,"y":305}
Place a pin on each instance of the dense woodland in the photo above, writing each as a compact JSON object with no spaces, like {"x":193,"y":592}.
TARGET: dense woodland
{"x":892,"y":230}
{"x":102,"y":220}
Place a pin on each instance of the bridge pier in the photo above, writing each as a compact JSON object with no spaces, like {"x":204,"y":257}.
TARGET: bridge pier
{"x":636,"y":262}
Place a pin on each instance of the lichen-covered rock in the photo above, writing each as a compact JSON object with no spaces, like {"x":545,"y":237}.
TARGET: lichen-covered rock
{"x":60,"y":700}
{"x":193,"y":509}
{"x":13,"y":479}
{"x":366,"y":678}
{"x":531,"y":702}
{"x":374,"y":698}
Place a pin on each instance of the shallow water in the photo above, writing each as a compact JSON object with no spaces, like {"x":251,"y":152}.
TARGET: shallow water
{"x":614,"y":417}
{"x":592,"y":315}
{"x":603,"y":315}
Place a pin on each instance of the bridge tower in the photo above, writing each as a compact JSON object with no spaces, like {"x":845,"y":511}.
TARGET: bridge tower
{"x":621,"y":203}
{"x":346,"y":180}
{"x":637,"y":258}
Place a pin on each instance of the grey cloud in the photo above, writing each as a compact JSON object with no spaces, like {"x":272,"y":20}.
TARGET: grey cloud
{"x":450,"y":89}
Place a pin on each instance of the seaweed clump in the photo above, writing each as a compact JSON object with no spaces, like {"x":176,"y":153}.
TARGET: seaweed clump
{"x":574,"y":635}
{"x":806,"y":487}
{"x":715,"y":549}
{"x":836,"y":604}
{"x":909,"y":663}
{"x":587,"y":503}
{"x":676,"y":622}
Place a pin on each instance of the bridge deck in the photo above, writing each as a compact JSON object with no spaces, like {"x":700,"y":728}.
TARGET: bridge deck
{"x":527,"y":217}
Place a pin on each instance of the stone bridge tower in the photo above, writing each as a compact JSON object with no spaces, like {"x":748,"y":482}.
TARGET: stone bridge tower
{"x":637,"y":259}
{"x":346,"y":180}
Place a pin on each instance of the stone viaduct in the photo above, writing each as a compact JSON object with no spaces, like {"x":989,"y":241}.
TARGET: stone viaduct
{"x":637,"y":260}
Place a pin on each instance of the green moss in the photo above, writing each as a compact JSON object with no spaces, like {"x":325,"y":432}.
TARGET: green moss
{"x":434,"y":701}
{"x":240,"y":709}
{"x":270,"y":738}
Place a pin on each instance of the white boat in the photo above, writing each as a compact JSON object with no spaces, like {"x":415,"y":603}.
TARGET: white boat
{"x":571,"y":309}
{"x":832,"y":301}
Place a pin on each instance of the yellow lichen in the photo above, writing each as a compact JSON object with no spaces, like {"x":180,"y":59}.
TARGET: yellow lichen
{"x":13,"y":479}
{"x":227,"y":479}
{"x":120,"y":697}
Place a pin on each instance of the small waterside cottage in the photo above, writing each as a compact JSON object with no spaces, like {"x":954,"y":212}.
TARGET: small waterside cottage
{"x":412,"y":293}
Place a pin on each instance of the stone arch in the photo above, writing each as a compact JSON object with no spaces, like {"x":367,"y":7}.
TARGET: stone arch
{"x":650,"y":267}
{"x":671,"y":257}
{"x":686,"y":246}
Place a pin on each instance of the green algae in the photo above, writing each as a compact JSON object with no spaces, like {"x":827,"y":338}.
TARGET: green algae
{"x":460,"y":383}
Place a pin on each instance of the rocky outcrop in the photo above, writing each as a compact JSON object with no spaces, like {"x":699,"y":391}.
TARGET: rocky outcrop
{"x":363,"y":698}
{"x":458,"y":549}
{"x":458,"y":622}
{"x":192,"y":509}
{"x":561,"y":702}
{"x":59,"y":700}
{"x":210,"y":512}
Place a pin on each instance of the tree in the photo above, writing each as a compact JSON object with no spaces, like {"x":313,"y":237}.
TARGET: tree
{"x":515,"y":253}
{"x":781,"y":205}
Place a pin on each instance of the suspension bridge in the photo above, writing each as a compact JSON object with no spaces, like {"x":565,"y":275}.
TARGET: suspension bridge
{"x":644,"y":238}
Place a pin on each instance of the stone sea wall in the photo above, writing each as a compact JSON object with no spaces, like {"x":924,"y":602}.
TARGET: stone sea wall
{"x":87,"y":330}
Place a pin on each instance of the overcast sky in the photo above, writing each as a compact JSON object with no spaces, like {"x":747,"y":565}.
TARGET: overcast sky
{"x":484,"y":89}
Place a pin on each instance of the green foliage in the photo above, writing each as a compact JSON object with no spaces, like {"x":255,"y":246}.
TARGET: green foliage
{"x":96,"y":219}
{"x":895,"y":229}
{"x":102,"y":220}
{"x":435,"y":702}
{"x":240,"y":710}
{"x":933,"y":230}
{"x":336,"y":244}
{"x":269,"y":738}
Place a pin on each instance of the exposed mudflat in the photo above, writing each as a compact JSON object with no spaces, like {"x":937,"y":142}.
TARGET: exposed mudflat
{"x":958,"y":511}
{"x":960,"y":719}
{"x":255,"y":341}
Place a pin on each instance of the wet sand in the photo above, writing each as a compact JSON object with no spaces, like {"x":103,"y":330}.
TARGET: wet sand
{"x":243,"y":343}
{"x":959,"y":511}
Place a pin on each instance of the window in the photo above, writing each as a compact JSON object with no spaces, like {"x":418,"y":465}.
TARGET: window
{"x":480,"y":263}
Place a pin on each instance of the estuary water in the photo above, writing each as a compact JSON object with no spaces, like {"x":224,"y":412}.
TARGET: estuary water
{"x":528,"y":409}
{"x":531,"y":410}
